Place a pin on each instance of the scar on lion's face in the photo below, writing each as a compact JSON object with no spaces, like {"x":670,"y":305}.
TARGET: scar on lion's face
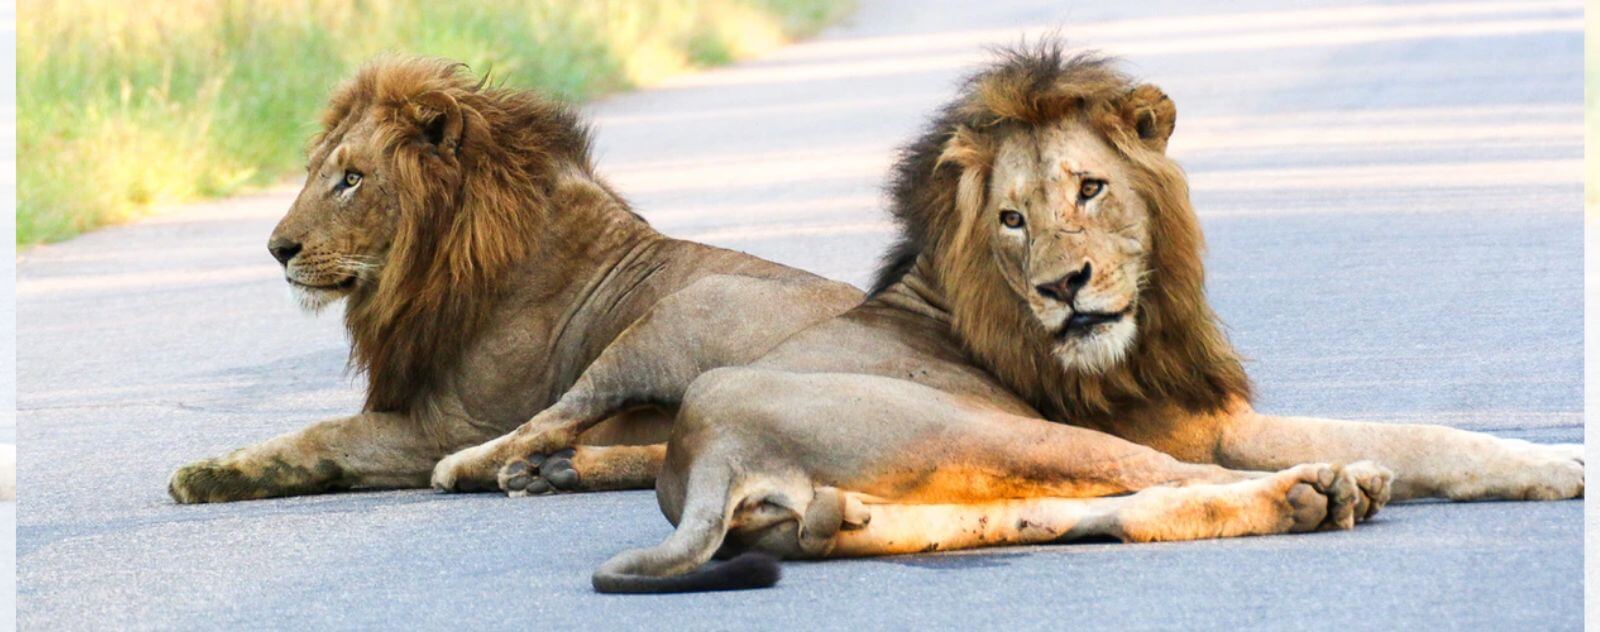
{"x":1070,"y":234}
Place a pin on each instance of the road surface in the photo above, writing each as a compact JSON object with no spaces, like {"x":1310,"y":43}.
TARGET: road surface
{"x":1392,"y":199}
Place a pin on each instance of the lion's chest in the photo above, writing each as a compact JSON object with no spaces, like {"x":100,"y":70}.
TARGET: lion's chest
{"x":510,"y":373}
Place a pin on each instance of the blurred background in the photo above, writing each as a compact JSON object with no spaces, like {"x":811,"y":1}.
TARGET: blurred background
{"x":166,"y":102}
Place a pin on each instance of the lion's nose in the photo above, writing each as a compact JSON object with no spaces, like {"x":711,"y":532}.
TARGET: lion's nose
{"x":283,"y":250}
{"x":1065,"y":289}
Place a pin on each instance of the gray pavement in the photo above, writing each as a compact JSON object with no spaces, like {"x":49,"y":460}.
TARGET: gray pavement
{"x":1392,"y":196}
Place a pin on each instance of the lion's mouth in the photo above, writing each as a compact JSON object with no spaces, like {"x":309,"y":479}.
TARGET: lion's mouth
{"x":347,"y":283}
{"x":1083,"y":323}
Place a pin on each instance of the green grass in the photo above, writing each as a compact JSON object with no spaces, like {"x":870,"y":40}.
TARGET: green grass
{"x":125,"y":106}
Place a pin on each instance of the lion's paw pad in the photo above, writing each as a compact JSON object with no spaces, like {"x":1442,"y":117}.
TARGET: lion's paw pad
{"x":540,"y":474}
{"x":1322,"y":496}
{"x":1373,"y":481}
{"x":1307,"y":507}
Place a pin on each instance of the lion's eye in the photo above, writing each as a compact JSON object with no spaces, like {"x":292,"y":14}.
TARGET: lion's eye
{"x":1011,"y":219}
{"x":352,"y":178}
{"x":1090,"y":188}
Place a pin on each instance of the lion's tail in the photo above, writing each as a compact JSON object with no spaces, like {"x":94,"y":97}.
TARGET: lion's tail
{"x":679,"y":564}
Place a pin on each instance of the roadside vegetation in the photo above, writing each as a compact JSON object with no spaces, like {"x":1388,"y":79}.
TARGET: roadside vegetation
{"x":124,"y":106}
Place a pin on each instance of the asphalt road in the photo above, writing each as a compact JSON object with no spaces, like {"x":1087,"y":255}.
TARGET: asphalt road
{"x":1392,"y":196}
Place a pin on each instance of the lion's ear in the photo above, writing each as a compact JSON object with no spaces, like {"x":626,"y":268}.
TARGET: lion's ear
{"x":966,"y":148}
{"x":438,"y":119}
{"x":1152,"y":115}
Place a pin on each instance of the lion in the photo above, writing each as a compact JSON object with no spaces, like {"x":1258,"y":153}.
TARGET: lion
{"x":486,"y":269}
{"x":1036,"y":362}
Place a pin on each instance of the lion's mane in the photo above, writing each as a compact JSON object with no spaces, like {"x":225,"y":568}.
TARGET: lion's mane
{"x":467,"y":212}
{"x":1180,"y":355}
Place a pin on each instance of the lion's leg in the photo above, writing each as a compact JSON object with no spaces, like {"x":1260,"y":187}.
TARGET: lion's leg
{"x":1294,"y":500}
{"x":712,"y":323}
{"x":906,"y":442}
{"x":984,"y":455}
{"x":585,"y":468}
{"x":1427,"y":460}
{"x":374,"y":450}
{"x":554,"y":429}
{"x":1002,"y":456}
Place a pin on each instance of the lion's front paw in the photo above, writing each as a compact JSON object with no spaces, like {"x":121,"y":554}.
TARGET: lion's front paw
{"x":1324,"y":497}
{"x":1547,"y":471}
{"x":469,"y":470}
{"x":199,"y":482}
{"x":224,"y":479}
{"x":1373,"y":484}
{"x":1513,"y":469}
{"x":489,"y":466}
{"x":540,"y":474}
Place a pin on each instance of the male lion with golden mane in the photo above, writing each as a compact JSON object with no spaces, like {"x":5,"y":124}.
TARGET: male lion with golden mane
{"x":1049,"y":271}
{"x":488,"y":270}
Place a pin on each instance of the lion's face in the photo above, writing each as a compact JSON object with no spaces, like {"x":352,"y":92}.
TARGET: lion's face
{"x":336,"y":237}
{"x":1070,"y":235}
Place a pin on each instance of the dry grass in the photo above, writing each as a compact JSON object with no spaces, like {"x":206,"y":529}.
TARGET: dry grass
{"x":122,"y":106}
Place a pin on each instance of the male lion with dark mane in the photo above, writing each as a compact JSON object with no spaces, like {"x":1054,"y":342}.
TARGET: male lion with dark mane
{"x":1049,"y":270}
{"x":487,"y":270}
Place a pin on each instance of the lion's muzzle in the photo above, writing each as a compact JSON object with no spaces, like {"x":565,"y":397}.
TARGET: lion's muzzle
{"x":1082,"y":323}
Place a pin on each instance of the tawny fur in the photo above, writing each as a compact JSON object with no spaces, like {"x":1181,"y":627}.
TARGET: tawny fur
{"x":488,"y":270}
{"x":1181,"y":354}
{"x":942,"y":412}
{"x":468,"y":212}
